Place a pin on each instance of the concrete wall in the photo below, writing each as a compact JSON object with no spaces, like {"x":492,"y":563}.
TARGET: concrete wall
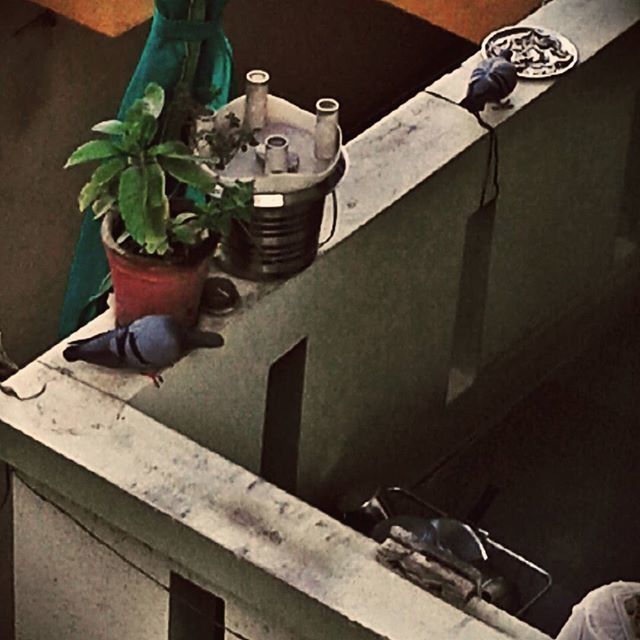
{"x":107,"y":501}
{"x":380,"y":311}
{"x":557,"y":220}
{"x":59,"y":80}
{"x":379,"y":307}
{"x":70,"y":585}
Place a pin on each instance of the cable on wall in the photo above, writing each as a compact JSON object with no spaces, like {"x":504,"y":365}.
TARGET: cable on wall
{"x":492,"y":156}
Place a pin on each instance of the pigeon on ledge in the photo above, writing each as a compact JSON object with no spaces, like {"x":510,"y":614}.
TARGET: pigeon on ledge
{"x":491,"y":81}
{"x":146,"y":345}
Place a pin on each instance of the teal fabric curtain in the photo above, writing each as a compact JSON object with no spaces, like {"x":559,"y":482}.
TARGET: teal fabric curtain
{"x":186,"y":50}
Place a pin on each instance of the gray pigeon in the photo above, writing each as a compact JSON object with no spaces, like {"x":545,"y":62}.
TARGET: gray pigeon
{"x":491,"y":81}
{"x":146,"y":345}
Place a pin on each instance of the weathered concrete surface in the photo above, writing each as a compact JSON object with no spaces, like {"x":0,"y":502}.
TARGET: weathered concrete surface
{"x":562,"y":169}
{"x":58,"y":81}
{"x":378,"y":306}
{"x":204,"y":513}
{"x":69,"y":586}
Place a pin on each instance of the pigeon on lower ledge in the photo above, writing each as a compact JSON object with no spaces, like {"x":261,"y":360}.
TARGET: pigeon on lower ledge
{"x":147,"y":345}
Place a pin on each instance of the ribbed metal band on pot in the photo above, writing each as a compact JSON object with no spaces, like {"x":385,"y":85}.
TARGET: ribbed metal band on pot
{"x":280,"y":241}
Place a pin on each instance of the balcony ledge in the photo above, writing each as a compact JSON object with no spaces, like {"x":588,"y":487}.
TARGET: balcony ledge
{"x":155,"y":484}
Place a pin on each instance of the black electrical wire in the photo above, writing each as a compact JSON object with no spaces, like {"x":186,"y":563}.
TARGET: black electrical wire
{"x":131,"y":564}
{"x":492,"y":156}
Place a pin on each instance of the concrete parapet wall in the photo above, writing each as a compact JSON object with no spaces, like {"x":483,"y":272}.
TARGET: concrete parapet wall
{"x":418,"y":286}
{"x":398,"y":301}
{"x":102,"y":489}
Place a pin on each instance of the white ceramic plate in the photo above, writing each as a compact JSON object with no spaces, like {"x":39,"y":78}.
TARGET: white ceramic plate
{"x":537,"y":53}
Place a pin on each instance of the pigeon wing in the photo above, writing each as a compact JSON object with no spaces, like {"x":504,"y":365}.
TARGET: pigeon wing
{"x":153,"y":342}
{"x":104,"y":349}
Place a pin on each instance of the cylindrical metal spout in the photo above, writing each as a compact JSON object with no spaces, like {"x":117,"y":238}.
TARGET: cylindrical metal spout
{"x":276,"y":154}
{"x":326,"y":132}
{"x":257,"y":93}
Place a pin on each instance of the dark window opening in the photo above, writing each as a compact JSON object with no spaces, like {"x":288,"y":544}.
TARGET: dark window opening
{"x":194,"y":613}
{"x":281,"y":435}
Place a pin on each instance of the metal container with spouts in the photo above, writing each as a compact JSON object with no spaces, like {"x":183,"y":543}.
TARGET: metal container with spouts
{"x":297,"y":163}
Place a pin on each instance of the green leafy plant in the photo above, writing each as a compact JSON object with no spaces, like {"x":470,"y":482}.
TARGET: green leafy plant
{"x":141,"y":177}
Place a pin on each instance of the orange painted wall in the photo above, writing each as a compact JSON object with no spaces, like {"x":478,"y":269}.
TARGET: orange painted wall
{"x":111,"y":17}
{"x":471,"y":19}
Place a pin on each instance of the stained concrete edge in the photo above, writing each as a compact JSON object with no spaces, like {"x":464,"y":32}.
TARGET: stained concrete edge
{"x":417,"y":140}
{"x":187,"y":502}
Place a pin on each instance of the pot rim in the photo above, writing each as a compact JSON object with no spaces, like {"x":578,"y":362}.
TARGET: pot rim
{"x":201,"y":251}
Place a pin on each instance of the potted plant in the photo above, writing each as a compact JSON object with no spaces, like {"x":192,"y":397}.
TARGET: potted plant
{"x":158,"y":231}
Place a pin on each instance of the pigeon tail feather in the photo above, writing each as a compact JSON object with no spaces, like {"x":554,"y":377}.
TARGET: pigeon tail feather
{"x":72,"y":353}
{"x":203,"y":340}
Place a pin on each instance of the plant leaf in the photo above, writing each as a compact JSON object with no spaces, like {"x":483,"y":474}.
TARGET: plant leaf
{"x":224,"y":224}
{"x":108,"y":170}
{"x":132,"y":198}
{"x":126,"y":145}
{"x":243,"y":213}
{"x":144,"y":205}
{"x":184,"y":217}
{"x":103,"y":203}
{"x":141,"y":131}
{"x":172,"y":149}
{"x":88,"y":194}
{"x":154,"y":97}
{"x":156,"y":231}
{"x":137,"y":110}
{"x":93,"y":150}
{"x":156,"y":184}
{"x":110,"y":127}
{"x":188,"y":172}
{"x":157,"y":238}
{"x":186,"y":234}
{"x":148,"y":129}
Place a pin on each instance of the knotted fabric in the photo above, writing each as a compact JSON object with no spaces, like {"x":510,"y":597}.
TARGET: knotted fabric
{"x":171,"y":39}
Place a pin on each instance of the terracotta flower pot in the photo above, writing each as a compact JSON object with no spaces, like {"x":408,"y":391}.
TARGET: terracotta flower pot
{"x":146,"y":286}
